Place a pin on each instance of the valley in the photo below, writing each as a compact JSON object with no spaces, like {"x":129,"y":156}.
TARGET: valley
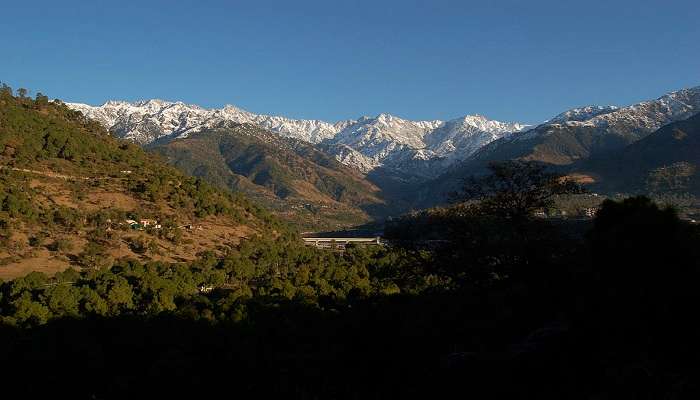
{"x":166,"y":253}
{"x":350,"y":200}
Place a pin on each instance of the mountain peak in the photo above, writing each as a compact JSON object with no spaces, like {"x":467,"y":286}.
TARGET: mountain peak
{"x":386,"y":117}
{"x":231,"y":107}
{"x":581,"y":114}
{"x":151,"y":103}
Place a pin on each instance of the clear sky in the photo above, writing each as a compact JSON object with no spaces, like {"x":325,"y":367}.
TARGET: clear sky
{"x":326,"y":59}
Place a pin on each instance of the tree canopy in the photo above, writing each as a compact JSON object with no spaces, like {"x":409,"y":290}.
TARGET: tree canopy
{"x":515,"y":189}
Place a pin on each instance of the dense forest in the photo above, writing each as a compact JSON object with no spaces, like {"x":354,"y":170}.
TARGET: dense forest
{"x":480,"y":299}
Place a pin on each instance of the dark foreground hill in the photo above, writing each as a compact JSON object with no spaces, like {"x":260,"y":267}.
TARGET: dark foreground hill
{"x":501,"y":312}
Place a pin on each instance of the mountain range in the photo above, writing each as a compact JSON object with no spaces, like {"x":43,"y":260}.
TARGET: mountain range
{"x":379,"y":165}
{"x":570,"y":138}
{"x":664,"y":162}
{"x":293,"y":178}
{"x":364,"y":144}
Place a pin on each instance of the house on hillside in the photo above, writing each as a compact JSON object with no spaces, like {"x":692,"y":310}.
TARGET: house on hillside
{"x":205,"y":288}
{"x":145,"y":222}
{"x":191,"y":227}
{"x":133,"y":224}
{"x":590,"y":212}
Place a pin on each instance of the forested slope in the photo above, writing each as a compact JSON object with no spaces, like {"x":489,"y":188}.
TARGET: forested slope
{"x":68,"y":191}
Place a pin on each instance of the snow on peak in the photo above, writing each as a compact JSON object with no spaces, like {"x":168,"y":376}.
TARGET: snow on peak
{"x":365,"y":143}
{"x":582,"y":113}
{"x":633,"y":122}
{"x":648,"y":116}
{"x":459,"y":138}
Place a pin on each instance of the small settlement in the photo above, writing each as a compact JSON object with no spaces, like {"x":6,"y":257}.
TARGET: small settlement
{"x":143,"y":224}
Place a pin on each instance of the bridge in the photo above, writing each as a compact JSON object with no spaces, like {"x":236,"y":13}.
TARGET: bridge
{"x":341,"y":242}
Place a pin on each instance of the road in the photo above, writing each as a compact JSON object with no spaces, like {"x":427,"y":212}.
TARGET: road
{"x":51,"y":174}
{"x":330,"y":242}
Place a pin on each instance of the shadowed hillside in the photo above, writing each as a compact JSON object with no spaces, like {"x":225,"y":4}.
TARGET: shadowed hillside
{"x":666,"y":161}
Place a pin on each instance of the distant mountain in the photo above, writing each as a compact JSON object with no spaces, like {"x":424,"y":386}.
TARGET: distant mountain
{"x":570,"y":137}
{"x":408,"y":164}
{"x":667,"y":161}
{"x":392,"y":142}
{"x":364,"y":144}
{"x":579,"y":133}
{"x":146,"y":121}
{"x":294,"y":178}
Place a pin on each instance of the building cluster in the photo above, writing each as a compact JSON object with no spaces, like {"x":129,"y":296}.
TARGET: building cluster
{"x":588,"y":212}
{"x":143,"y":223}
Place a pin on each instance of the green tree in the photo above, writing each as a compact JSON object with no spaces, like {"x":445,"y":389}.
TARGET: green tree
{"x":5,"y":92}
{"x":120,"y":296}
{"x":63,"y":300}
{"x":28,"y":311}
{"x":94,"y":255}
{"x":41,"y":100}
{"x":92,"y":302}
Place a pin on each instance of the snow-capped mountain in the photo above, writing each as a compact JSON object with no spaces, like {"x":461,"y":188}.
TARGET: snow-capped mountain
{"x":582,"y":132}
{"x":365,"y":143}
{"x":582,"y":114}
{"x":390,"y":141}
{"x":460,"y":138}
{"x":146,"y":121}
{"x":571,"y":139}
{"x":644,"y":117}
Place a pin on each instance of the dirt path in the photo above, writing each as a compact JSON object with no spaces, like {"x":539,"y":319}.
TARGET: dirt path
{"x":53,"y":174}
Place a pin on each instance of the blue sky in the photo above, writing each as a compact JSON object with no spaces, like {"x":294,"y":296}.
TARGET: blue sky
{"x":332,"y":60}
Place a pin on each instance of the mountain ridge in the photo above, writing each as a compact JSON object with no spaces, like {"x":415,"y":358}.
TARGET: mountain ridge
{"x":570,"y":137}
{"x":295,"y":179}
{"x":375,"y":141}
{"x":664,"y":162}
